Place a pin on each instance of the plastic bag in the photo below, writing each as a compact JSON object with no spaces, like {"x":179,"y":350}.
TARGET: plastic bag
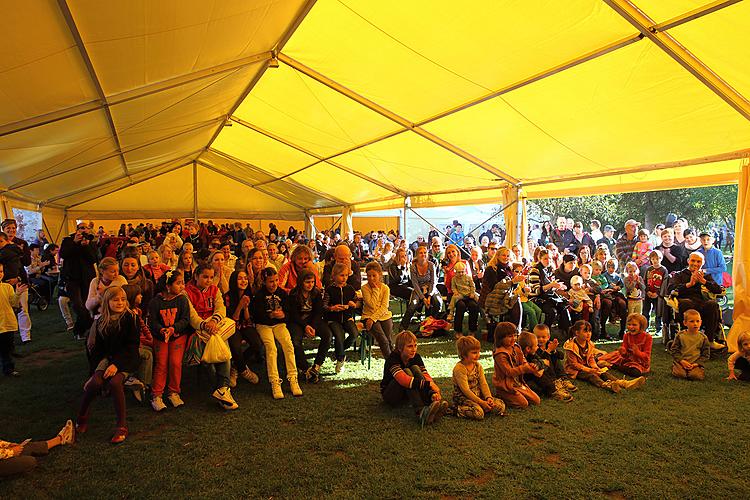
{"x":216,"y":350}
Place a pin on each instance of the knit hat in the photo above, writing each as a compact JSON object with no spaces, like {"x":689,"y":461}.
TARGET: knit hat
{"x":576,"y":280}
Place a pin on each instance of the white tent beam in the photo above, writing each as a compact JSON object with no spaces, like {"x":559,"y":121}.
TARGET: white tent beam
{"x":65,"y":9}
{"x":628,"y":11}
{"x":133,"y":183}
{"x":395,"y":118}
{"x":35,"y":178}
{"x":253,"y":168}
{"x":250,"y":185}
{"x":734,"y":155}
{"x":320,"y":158}
{"x":304,"y":10}
{"x":129,"y":95}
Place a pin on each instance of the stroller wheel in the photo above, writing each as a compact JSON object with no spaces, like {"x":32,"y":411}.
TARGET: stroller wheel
{"x":42,"y":304}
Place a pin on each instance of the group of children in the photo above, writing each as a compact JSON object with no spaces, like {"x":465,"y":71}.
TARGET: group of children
{"x":531,"y":365}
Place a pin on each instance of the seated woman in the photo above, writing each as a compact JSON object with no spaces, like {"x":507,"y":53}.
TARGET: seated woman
{"x":399,"y":279}
{"x":298,"y":261}
{"x":425,"y":293}
{"x":465,"y":304}
{"x":499,"y":271}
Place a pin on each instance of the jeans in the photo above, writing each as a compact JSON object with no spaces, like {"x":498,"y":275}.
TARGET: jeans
{"x":340,"y":344}
{"x":24,"y":320}
{"x":298,"y":335}
{"x":649,"y":305}
{"x":76,"y":292}
{"x":395,"y":394}
{"x":249,"y":335}
{"x":381,"y":332}
{"x":416,"y":304}
{"x":269,"y":335}
{"x":6,"y":348}
{"x":462,"y":306}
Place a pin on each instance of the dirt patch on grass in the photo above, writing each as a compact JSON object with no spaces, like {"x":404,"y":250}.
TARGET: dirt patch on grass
{"x":553,"y":459}
{"x":615,"y":495}
{"x":152,"y":431}
{"x":483,"y":478}
{"x":534,"y":441}
{"x":44,"y":357}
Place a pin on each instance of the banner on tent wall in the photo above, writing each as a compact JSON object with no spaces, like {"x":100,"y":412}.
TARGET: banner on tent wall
{"x":29,"y":222}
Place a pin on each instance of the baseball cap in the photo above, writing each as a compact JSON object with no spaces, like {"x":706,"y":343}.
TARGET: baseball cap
{"x":608,"y":228}
{"x":632,"y":222}
{"x":704,"y":233}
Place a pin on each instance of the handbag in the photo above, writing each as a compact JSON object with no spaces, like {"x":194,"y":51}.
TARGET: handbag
{"x":216,"y":350}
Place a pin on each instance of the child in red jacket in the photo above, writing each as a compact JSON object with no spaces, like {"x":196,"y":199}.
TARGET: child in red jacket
{"x":510,"y":367}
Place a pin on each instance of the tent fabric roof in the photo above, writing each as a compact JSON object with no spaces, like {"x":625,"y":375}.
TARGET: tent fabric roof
{"x":285,"y":106}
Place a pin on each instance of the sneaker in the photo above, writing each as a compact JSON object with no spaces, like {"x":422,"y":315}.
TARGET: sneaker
{"x":224,"y":396}
{"x":429,"y":413}
{"x":568,"y":385}
{"x":562,"y":395}
{"x":612,"y":385}
{"x":312,"y":375}
{"x":121,"y":433}
{"x":423,"y":416}
{"x":233,"y":377}
{"x":82,"y":425}
{"x":70,"y":328}
{"x":175,"y":400}
{"x":715,"y":346}
{"x":636,"y":383}
{"x":249,"y":375}
{"x":13,"y":373}
{"x":133,"y":383}
{"x":68,"y":433}
{"x":276,"y":390}
{"x":294,"y":386}
{"x":157,"y":403}
{"x":439,"y":412}
{"x":340,"y":366}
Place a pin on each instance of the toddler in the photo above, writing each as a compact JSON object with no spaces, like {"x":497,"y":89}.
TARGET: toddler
{"x":405,"y":378}
{"x":642,"y":249}
{"x":532,"y":313}
{"x":740,"y":360}
{"x":471,"y":395}
{"x":579,"y":302}
{"x":690,"y":348}
{"x":552,"y":355}
{"x":510,"y":367}
{"x":543,"y":380}
{"x":634,"y":288}
{"x":462,"y":286}
{"x":633,"y":358}
{"x":155,"y":266}
{"x":581,"y":363}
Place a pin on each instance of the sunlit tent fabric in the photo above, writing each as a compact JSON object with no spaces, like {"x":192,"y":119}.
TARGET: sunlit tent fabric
{"x":287,"y":109}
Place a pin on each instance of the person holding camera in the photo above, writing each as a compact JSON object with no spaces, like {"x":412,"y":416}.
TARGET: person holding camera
{"x":78,"y":254}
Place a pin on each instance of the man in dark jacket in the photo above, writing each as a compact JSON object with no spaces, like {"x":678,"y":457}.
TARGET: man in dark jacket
{"x":79,"y":257}
{"x":562,"y":237}
{"x":689,"y":284}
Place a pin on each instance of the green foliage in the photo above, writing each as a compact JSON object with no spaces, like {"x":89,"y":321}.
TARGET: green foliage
{"x":700,"y":206}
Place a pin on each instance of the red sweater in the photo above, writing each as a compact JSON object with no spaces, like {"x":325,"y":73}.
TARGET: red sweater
{"x":207,"y":302}
{"x":641,"y":359}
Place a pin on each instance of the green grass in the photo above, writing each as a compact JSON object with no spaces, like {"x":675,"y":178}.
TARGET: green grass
{"x":673,"y":439}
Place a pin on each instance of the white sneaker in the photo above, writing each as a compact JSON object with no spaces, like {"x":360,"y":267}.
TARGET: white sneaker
{"x":276,"y":390}
{"x":250,"y":376}
{"x":233,"y":377}
{"x":296,"y":389}
{"x":133,"y":383}
{"x":157,"y":403}
{"x":68,"y":433}
{"x":175,"y":400}
{"x":224,"y":396}
{"x":340,"y":366}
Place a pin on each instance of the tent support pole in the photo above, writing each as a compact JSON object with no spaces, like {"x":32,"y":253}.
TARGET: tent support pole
{"x":679,"y":53}
{"x":195,"y":192}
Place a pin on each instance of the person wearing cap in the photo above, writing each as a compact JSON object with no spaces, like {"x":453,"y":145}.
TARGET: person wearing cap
{"x":626,"y":243}
{"x":561,"y":237}
{"x":16,"y":273}
{"x":608,"y":238}
{"x":714,"y":263}
{"x":79,"y":258}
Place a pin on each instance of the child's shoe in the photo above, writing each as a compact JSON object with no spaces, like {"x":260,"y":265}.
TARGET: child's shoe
{"x":312,"y":374}
{"x":340,"y":365}
{"x":175,"y":400}
{"x":562,"y":395}
{"x":441,"y":410}
{"x":82,"y":425}
{"x":121,"y":433}
{"x":276,"y":390}
{"x":133,"y":384}
{"x":68,"y":433}
{"x":612,"y":385}
{"x":568,"y":385}
{"x":249,"y":375}
{"x":632,"y":384}
{"x":157,"y":403}
{"x":294,"y":386}
{"x":224,"y":396}
{"x":233,"y":377}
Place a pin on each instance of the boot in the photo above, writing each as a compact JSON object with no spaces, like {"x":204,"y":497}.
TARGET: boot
{"x":611,"y":385}
{"x":249,"y":375}
{"x":294,"y":386}
{"x":276,"y":390}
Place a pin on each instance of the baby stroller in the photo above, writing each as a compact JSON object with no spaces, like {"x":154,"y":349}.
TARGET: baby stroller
{"x":40,"y":300}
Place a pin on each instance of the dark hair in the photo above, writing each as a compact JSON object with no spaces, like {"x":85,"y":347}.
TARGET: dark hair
{"x":502,"y":330}
{"x":167,"y":279}
{"x":373,"y":266}
{"x":131,"y":292}
{"x":296,"y":292}
{"x":202,"y":266}
{"x":267,"y":272}
{"x":569,"y":257}
{"x":33,"y":246}
{"x":580,"y":325}
{"x":235,"y":294}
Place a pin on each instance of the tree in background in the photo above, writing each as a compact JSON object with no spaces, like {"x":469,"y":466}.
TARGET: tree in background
{"x":700,"y":206}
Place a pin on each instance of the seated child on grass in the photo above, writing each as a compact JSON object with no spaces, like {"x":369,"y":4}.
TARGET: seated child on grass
{"x":633,"y":358}
{"x":581,"y":364}
{"x":462,"y":286}
{"x":510,"y":367}
{"x":552,"y":354}
{"x":543,"y":380}
{"x":19,"y":458}
{"x":405,"y":378}
{"x":690,"y":348}
{"x":471,"y":395}
{"x":740,"y":360}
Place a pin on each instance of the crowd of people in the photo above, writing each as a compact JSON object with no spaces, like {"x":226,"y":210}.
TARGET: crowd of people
{"x":148,"y":300}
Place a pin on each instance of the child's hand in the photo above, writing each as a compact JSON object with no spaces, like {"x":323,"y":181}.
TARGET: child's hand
{"x":110,"y":371}
{"x":352,"y":304}
{"x":686,"y":364}
{"x":486,"y":405}
{"x":369,"y":323}
{"x":732,"y":376}
{"x":277,"y":314}
{"x":244,"y":301}
{"x":622,"y":350}
{"x":20,"y":288}
{"x":309,"y":331}
{"x":652,"y":295}
{"x":553,"y":345}
{"x":436,"y":391}
{"x":211,"y":326}
{"x":16,"y":450}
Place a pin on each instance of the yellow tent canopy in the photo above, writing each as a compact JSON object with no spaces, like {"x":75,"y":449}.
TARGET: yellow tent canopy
{"x":285,"y":109}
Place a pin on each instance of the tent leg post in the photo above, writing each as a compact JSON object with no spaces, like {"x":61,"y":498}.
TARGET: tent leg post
{"x":195,"y":192}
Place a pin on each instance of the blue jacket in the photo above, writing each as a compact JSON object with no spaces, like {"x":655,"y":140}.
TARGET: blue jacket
{"x":714,"y":264}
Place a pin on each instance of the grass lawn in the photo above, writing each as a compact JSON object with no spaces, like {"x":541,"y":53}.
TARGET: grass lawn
{"x":672,"y":439}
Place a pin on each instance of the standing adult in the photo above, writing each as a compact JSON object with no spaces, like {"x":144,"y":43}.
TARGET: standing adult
{"x":581,"y":239}
{"x":561,"y":237}
{"x":626,"y":243}
{"x":10,"y":228}
{"x":79,"y":257}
